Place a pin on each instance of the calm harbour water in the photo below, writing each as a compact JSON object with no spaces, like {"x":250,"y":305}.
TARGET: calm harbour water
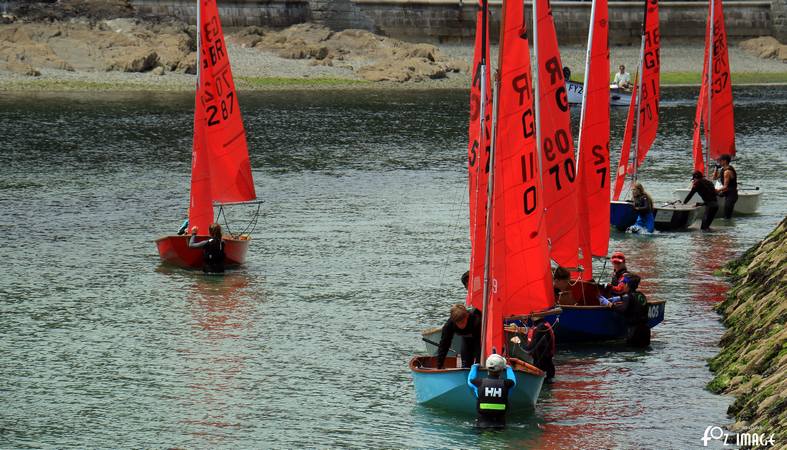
{"x":361,"y":244}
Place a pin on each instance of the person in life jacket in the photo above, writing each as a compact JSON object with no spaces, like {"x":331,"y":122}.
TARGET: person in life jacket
{"x":541,"y":346}
{"x":728,"y":177}
{"x":619,"y":271}
{"x":633,"y":305}
{"x":492,"y":392}
{"x":212,"y":249}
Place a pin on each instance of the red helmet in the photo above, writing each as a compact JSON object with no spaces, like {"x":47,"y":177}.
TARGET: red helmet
{"x":618,"y":257}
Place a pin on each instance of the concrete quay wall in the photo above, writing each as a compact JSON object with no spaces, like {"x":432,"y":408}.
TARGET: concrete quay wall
{"x":454,"y":20}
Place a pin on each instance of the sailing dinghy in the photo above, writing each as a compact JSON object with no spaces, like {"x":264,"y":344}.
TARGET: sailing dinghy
{"x":718,"y":119}
{"x":220,"y":167}
{"x":514,"y":279}
{"x":617,"y":96}
{"x":584,"y":319}
{"x":641,"y":129}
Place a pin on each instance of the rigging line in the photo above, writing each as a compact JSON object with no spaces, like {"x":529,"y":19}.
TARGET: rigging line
{"x":452,"y":227}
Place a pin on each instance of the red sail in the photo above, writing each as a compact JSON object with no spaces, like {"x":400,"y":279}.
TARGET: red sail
{"x":478,"y":162}
{"x":623,"y":164}
{"x":225,"y":138}
{"x":521,"y":281}
{"x":593,"y":168}
{"x":201,"y":203}
{"x":722,"y":126}
{"x":649,"y":94}
{"x":696,"y":142}
{"x":557,"y":146}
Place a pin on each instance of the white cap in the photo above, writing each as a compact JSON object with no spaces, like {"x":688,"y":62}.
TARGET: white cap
{"x":495,"y":363}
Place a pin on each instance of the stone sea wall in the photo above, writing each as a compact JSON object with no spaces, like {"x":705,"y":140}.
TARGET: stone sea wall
{"x":752,"y":364}
{"x":454,"y":20}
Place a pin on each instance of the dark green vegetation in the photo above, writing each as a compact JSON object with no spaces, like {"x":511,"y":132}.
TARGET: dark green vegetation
{"x":753,"y":362}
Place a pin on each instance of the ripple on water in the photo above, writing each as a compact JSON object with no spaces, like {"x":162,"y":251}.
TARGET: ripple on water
{"x":361,"y":245}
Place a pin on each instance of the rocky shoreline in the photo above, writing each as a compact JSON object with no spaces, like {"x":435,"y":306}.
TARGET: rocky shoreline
{"x":107,"y":45}
{"x":752,"y":364}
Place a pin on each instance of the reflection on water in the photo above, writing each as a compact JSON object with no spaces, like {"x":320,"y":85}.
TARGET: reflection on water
{"x":360,"y":246}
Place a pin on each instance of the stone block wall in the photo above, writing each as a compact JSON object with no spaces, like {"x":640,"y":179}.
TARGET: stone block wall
{"x":234,"y":13}
{"x":779,"y":19}
{"x":446,"y":21}
{"x":454,"y":20}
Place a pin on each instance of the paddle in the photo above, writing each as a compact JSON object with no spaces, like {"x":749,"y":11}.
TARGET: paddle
{"x":429,"y":341}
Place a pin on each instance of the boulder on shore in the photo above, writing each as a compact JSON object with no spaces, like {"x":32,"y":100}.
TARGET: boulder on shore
{"x":766,"y":47}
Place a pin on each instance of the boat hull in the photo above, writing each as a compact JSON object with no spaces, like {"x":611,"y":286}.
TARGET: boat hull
{"x":175,"y":250}
{"x":599,"y":323}
{"x":748,"y":201}
{"x":447,"y":389}
{"x":676,"y":217}
{"x":621,"y":214}
{"x":616,"y":96}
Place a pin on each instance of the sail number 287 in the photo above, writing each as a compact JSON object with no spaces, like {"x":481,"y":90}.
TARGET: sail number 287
{"x":223,"y":109}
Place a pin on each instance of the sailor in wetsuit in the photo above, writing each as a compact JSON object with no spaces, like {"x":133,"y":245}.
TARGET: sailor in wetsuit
{"x":467,"y":324}
{"x":492,"y":392}
{"x":704,"y":187}
{"x":728,"y":177}
{"x":633,"y":305}
{"x":212,"y":249}
{"x":541,"y":346}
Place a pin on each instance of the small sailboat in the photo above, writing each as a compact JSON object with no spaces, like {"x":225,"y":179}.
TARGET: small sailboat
{"x":718,"y":119}
{"x":515,"y":279}
{"x":641,"y":129}
{"x":617,"y":96}
{"x":220,"y":167}
{"x":585,"y":319}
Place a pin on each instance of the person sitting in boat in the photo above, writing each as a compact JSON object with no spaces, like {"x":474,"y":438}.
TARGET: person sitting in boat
{"x":491,"y":392}
{"x":643,"y":207}
{"x":619,"y":272}
{"x":728,"y":177}
{"x":541,"y":346}
{"x":561,"y":282}
{"x":623,"y":78}
{"x":704,"y":187}
{"x":212,"y":249}
{"x":467,"y":324}
{"x":465,"y":279}
{"x":634,"y":307}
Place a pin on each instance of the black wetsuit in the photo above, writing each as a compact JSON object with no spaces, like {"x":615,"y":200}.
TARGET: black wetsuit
{"x":471,"y":340}
{"x":541,"y":346}
{"x":634,"y":308}
{"x":213,"y":255}
{"x":707,"y":192}
{"x":731,"y":194}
